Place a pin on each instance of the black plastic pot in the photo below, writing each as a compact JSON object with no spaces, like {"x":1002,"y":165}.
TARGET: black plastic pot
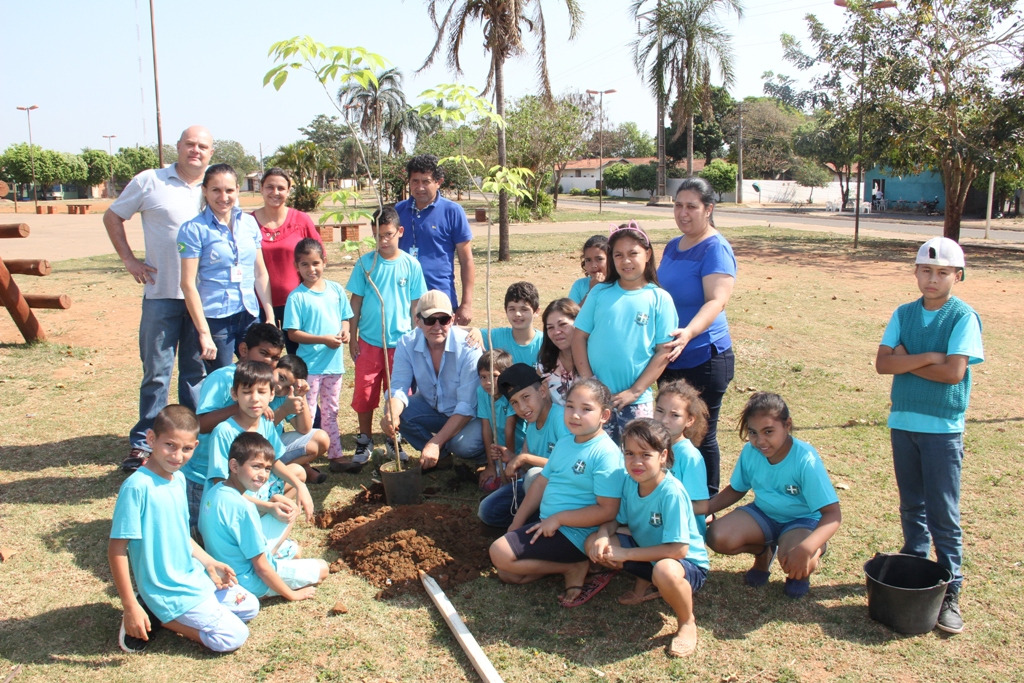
{"x":402,"y":488}
{"x":905,"y":592}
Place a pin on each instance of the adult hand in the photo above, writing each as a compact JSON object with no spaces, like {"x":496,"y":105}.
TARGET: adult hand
{"x":430,"y":454}
{"x":207,"y":349}
{"x":681,"y":337}
{"x":142,"y":273}
{"x":474,"y":338}
{"x":464,"y":314}
{"x":389,"y":426}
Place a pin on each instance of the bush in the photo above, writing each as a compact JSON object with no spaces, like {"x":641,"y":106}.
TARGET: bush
{"x":305,"y":198}
{"x":542,"y":208}
{"x":575,"y":192}
{"x":721,"y":175}
{"x":520,"y":214}
{"x":592,"y":192}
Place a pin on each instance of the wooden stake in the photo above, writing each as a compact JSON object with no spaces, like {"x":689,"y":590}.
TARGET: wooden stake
{"x":469,"y":645}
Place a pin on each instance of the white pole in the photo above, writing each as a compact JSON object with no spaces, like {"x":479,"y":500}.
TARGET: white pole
{"x":469,"y":645}
{"x":988,"y":209}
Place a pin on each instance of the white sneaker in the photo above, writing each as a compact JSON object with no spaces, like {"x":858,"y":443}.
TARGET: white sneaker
{"x":364,"y":448}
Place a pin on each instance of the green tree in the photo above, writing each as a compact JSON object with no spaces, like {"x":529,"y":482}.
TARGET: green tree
{"x":809,"y":173}
{"x":303,"y":159}
{"x":644,"y":177}
{"x":831,"y":141}
{"x":633,"y":143}
{"x":768,"y":128}
{"x":708,"y":131}
{"x":721,"y":175}
{"x":678,"y":46}
{"x":131,"y":161}
{"x":377,"y":106}
{"x":505,"y":27}
{"x":233,"y":153}
{"x":943,"y":82}
{"x":616,"y":177}
{"x":456,"y":140}
{"x":101,"y":166}
{"x":16,"y":163}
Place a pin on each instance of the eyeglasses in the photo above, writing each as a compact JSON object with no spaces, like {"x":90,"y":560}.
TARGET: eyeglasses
{"x":442,"y":318}
{"x":387,"y":236}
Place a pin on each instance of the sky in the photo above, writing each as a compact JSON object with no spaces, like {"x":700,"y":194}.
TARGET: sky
{"x":88,"y":66}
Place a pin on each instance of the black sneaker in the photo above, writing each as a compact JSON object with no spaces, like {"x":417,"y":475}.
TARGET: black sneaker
{"x":950,"y":620}
{"x":136,"y":458}
{"x":129,"y":643}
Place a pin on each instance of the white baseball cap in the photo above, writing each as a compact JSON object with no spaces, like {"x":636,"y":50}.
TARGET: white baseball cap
{"x":941,"y":251}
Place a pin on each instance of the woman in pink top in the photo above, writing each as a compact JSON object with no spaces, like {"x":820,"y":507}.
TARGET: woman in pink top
{"x":282,"y":229}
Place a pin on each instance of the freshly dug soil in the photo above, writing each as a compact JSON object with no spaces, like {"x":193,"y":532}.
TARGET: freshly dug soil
{"x":388,"y":546}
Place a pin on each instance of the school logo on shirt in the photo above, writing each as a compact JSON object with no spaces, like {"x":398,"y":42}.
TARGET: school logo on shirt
{"x":403,"y":281}
{"x":580,"y":467}
{"x":793,"y":489}
{"x":655,"y":519}
{"x":551,"y":447}
{"x":641,"y":318}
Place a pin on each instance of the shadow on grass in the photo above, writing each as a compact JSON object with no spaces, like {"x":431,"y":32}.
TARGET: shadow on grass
{"x":72,"y":490}
{"x":104,"y":449}
{"x":87,"y":543}
{"x":67,"y":635}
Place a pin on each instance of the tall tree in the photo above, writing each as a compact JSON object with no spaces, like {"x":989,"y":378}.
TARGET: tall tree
{"x":677,"y":49}
{"x":233,"y":153}
{"x":768,"y":127}
{"x":505,"y":26}
{"x":708,"y":131}
{"x":133,"y":161}
{"x":941,"y":82}
{"x":377,"y":104}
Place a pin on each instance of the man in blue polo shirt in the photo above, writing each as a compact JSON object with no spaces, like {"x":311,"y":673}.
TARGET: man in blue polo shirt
{"x":436,"y":229}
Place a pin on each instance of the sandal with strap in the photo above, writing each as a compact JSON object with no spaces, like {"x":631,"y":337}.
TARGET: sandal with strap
{"x":595,"y":584}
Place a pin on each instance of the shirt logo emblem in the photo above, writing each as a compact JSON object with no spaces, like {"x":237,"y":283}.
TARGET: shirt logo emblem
{"x":793,"y":490}
{"x":181,"y":247}
{"x":655,"y":519}
{"x":641,"y":318}
{"x":580,"y":467}
{"x":551,"y":447}
{"x":402,"y":282}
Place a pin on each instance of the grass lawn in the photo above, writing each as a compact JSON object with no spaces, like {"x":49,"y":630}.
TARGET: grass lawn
{"x":806,"y":318}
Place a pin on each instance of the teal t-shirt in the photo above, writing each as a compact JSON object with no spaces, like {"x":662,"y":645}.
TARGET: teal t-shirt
{"x":400,"y":282}
{"x":224,"y":435}
{"x":521,"y":353}
{"x":540,"y":441}
{"x":503,"y":411}
{"x":152,"y":514}
{"x":232,"y":533}
{"x":319,"y":313}
{"x":577,"y":474}
{"x":665,"y":515}
{"x":214,"y":394}
{"x":579,"y":290}
{"x":691,"y":472}
{"x":796,"y":487}
{"x":625,"y":326}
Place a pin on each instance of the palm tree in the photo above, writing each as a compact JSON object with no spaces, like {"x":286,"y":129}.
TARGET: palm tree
{"x":676,"y":49}
{"x":378,"y":103}
{"x":505,"y":24}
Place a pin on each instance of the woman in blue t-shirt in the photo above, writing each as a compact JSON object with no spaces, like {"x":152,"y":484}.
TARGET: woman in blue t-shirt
{"x":698,"y":269}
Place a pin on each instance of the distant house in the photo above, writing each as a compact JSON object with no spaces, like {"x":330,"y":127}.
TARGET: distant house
{"x":583,"y":174}
{"x":910,"y":189}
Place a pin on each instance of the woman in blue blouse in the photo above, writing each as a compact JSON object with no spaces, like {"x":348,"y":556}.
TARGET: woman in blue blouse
{"x":699,"y":270}
{"x":222,"y":269}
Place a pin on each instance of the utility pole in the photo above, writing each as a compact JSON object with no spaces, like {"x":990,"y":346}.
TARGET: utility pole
{"x":739,"y":158}
{"x":31,"y":153}
{"x":156,"y":89}
{"x":600,"y":138}
{"x":110,"y":153}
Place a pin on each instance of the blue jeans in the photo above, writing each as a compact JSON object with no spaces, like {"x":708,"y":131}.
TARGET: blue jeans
{"x":623,"y":416}
{"x":711,"y":379}
{"x":420,"y":422}
{"x":165,"y":329}
{"x":499,"y":508}
{"x":227,"y":334}
{"x":928,"y":477}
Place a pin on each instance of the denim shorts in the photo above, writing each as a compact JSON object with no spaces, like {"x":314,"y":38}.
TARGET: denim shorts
{"x":695,"y":576}
{"x":773,"y":530}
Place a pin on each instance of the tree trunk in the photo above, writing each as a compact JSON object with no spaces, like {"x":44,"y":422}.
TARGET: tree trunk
{"x":689,"y":146}
{"x":499,"y":106}
{"x":956,"y":180}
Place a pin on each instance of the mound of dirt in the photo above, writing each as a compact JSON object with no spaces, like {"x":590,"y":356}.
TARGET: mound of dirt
{"x":388,"y":546}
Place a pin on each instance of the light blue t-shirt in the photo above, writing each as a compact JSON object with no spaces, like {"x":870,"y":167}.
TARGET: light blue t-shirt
{"x":232,"y":533}
{"x":503,"y":411}
{"x":319,"y":313}
{"x":625,"y":326}
{"x":214,"y":394}
{"x":577,"y":474}
{"x":521,"y":353}
{"x":224,"y":435}
{"x":692,"y":473}
{"x":665,"y":515}
{"x":540,"y":441}
{"x":796,"y":487}
{"x":400,"y":282}
{"x":219,"y":250}
{"x":152,"y":513}
{"x":965,"y":340}
{"x":579,"y":290}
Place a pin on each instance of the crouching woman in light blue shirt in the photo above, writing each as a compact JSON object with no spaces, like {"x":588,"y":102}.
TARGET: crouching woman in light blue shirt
{"x":222,"y":269}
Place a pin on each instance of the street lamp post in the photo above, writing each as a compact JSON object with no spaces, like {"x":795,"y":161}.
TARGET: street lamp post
{"x":600,"y":144}
{"x":110,"y":152}
{"x":32,"y":153}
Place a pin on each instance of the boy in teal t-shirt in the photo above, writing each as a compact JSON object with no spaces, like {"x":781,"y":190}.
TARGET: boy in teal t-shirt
{"x":522,"y":302}
{"x":180,"y":586}
{"x":929,"y":347}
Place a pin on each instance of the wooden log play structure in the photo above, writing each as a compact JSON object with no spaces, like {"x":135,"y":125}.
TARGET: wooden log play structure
{"x":20,"y":305}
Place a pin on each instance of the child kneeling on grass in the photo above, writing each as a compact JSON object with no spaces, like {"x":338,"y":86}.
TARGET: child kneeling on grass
{"x":181,"y":587}
{"x":661,"y":544}
{"x":795,"y":510}
{"x":230,"y":525}
{"x":578,"y":489}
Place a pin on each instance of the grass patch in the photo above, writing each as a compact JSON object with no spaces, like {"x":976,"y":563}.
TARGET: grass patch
{"x":806,"y":318}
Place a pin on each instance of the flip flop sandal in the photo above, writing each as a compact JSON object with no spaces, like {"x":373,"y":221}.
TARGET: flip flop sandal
{"x":592,"y":587}
{"x":491,"y":484}
{"x":630,"y":597}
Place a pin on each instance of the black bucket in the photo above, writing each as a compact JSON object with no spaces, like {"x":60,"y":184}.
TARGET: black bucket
{"x":905,"y":592}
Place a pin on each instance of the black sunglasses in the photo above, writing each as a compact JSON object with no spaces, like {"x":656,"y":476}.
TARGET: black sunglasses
{"x":442,"y":318}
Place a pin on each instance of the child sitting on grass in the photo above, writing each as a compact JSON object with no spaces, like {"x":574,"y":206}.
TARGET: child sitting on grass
{"x":685,"y":415}
{"x":795,"y":510}
{"x":578,"y":490}
{"x":304,"y":445}
{"x":179,"y":585}
{"x":508,"y":429}
{"x":231,"y":528}
{"x":660,"y":545}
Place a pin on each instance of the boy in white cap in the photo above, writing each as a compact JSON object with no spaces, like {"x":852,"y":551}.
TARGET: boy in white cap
{"x":928,"y":348}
